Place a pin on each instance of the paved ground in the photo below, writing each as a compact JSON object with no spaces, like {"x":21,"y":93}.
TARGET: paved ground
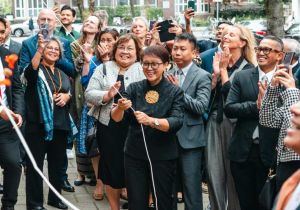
{"x":82,"y":198}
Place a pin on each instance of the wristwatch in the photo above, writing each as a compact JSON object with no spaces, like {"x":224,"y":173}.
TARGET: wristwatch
{"x":156,"y":122}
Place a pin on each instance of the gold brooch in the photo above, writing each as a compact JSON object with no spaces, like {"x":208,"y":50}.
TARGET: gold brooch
{"x":152,"y":97}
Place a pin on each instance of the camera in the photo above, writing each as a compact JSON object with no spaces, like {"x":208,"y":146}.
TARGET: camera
{"x":44,"y":31}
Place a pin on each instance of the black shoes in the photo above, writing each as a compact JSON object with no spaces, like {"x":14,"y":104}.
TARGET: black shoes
{"x":67,"y":186}
{"x":59,"y":205}
{"x":1,"y":189}
{"x":37,"y":208}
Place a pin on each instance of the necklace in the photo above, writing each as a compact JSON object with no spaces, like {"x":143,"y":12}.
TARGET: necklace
{"x":53,"y":84}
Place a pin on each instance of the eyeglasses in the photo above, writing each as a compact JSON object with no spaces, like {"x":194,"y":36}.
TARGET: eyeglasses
{"x":153,"y":65}
{"x":52,"y":48}
{"x":265,"y":50}
{"x":127,"y":49}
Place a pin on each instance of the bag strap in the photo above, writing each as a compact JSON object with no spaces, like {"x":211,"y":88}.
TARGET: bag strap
{"x":104,"y":74}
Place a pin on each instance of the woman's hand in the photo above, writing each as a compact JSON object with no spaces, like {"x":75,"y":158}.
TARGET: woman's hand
{"x":216,"y":63}
{"x":284,"y":77}
{"x":176,"y":29}
{"x":103,"y":50}
{"x":61,"y":99}
{"x":143,"y":118}
{"x":225,"y":58}
{"x":87,"y":52}
{"x":124,"y":104}
{"x":112,"y":92}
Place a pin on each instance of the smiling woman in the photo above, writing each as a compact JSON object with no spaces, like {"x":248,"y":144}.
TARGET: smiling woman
{"x":102,"y":93}
{"x":48,"y":121}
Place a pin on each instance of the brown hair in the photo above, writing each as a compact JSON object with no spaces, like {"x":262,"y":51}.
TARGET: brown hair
{"x":124,"y":39}
{"x":115,"y":34}
{"x":157,"y":51}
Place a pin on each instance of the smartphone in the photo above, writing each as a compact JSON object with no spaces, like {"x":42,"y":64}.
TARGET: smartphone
{"x":151,"y":24}
{"x":288,"y":58}
{"x":44,"y":31}
{"x":164,"y":34}
{"x":191,"y":4}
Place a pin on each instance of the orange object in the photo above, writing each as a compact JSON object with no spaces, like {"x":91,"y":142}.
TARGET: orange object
{"x":11,"y":60}
{"x":5,"y":82}
{"x":7,"y":72}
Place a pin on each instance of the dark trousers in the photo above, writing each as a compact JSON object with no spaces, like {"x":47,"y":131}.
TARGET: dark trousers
{"x":10,"y":162}
{"x":138,"y":182}
{"x":249,"y":178}
{"x":55,"y":149}
{"x":284,"y":170}
{"x":64,"y":176}
{"x":190,"y":161}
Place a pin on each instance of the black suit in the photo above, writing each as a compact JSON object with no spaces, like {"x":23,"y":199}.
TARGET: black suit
{"x":9,"y":155}
{"x":249,"y":161}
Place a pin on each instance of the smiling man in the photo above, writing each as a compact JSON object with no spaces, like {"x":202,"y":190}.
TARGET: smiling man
{"x":252,"y":147}
{"x":67,"y":17}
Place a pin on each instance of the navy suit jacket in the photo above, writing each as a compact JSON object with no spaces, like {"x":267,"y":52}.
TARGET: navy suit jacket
{"x":207,"y":59}
{"x":197,"y":88}
{"x":29,"y":48}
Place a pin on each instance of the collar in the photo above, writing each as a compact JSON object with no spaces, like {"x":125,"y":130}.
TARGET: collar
{"x":186,"y":69}
{"x":62,"y":29}
{"x":295,"y":64}
{"x":237,"y":64}
{"x":7,"y":43}
{"x":269,"y":74}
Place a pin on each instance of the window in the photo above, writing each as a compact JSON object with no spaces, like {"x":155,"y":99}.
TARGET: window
{"x":202,"y":6}
{"x":103,"y":3}
{"x":27,"y":8}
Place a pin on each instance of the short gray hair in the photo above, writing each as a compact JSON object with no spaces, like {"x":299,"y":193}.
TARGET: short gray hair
{"x":142,"y":19}
{"x":292,"y":45}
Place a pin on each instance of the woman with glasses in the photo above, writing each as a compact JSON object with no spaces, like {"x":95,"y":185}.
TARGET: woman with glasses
{"x":48,"y":123}
{"x":158,"y":106}
{"x":102,"y":93}
{"x":237,"y":54}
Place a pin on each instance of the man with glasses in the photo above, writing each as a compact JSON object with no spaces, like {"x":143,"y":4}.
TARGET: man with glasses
{"x":196,"y":84}
{"x":252,"y":147}
{"x":29,"y":52}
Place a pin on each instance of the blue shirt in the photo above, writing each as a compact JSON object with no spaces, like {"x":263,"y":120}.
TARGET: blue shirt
{"x":94,"y":63}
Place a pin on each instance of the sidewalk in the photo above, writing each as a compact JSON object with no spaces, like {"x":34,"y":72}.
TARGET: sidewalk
{"x":82,"y":197}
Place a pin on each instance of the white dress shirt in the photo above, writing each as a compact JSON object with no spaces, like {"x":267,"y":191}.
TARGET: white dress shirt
{"x":2,"y":87}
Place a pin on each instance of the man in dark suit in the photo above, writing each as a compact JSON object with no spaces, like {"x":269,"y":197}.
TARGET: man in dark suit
{"x":207,"y":55}
{"x":13,"y":98}
{"x":196,"y":84}
{"x":252,"y":148}
{"x":13,"y":46}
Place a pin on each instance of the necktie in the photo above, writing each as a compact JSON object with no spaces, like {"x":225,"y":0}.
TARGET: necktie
{"x":180,"y":77}
{"x":265,"y":78}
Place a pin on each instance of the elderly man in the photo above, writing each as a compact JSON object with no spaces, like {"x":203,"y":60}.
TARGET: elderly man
{"x":292,"y":45}
{"x":29,"y":50}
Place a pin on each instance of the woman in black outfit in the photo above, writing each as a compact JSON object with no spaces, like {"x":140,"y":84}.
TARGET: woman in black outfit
{"x":48,"y":123}
{"x":159,"y":108}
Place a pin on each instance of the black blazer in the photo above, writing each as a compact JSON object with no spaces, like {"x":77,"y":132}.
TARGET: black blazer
{"x":14,"y":93}
{"x":241,"y":104}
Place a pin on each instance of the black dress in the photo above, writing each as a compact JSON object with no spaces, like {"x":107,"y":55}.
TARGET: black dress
{"x":111,"y":141}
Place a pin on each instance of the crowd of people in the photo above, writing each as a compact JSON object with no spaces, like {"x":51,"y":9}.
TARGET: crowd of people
{"x":166,"y":116}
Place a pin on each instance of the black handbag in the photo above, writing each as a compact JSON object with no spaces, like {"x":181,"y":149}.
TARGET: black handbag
{"x":91,"y":143}
{"x":268,"y":192}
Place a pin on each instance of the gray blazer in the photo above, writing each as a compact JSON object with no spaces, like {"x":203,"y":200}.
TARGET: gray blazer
{"x":14,"y":47}
{"x":197,"y":88}
{"x":99,"y":85}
